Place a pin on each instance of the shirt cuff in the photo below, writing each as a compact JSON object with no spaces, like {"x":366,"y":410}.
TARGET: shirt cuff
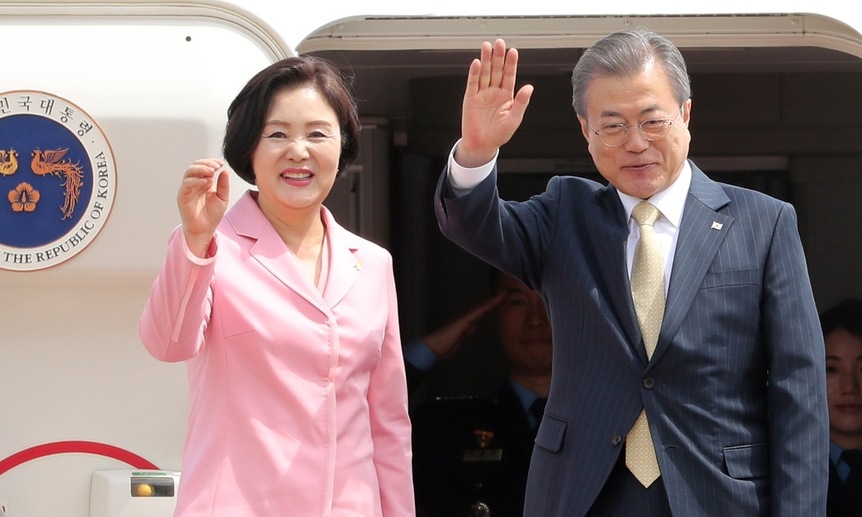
{"x":464,"y":179}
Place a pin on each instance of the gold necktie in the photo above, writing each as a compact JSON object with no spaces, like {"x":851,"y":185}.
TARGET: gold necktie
{"x":648,"y":295}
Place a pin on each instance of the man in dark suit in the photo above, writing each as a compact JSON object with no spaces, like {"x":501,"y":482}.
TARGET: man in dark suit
{"x":471,"y":453}
{"x":842,"y":331}
{"x":693,"y":388}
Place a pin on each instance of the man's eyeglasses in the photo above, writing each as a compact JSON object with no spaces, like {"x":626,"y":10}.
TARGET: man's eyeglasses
{"x":614,"y":135}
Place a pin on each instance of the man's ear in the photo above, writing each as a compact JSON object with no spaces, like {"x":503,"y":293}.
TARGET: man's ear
{"x":585,"y":130}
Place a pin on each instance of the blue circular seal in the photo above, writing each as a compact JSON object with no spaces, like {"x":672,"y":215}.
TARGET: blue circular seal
{"x":57,"y":180}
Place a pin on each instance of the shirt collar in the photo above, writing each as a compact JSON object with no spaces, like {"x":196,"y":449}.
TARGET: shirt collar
{"x":835,"y":452}
{"x":524,"y":394}
{"x":670,"y":201}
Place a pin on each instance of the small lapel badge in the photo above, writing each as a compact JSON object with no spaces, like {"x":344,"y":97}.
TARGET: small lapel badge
{"x":357,"y":266}
{"x":716,"y":225}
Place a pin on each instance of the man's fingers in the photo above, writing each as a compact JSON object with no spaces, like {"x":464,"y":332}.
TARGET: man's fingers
{"x":510,"y":70}
{"x":473,"y":77}
{"x":498,"y":63}
{"x":485,"y":307}
{"x":485,"y":60}
{"x":522,"y":100}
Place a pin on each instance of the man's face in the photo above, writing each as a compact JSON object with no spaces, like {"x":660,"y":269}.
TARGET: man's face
{"x":638,"y":167}
{"x":525,"y":332}
{"x":843,"y":379}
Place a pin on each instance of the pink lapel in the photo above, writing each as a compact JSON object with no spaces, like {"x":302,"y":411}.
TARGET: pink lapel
{"x":344,"y":262}
{"x":270,"y":251}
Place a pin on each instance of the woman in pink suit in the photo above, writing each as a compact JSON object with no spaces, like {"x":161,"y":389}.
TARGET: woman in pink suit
{"x":287,"y":322}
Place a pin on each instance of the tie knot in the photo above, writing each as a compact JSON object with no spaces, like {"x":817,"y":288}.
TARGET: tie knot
{"x":645,"y":213}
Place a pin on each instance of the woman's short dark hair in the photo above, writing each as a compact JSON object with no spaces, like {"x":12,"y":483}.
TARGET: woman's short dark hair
{"x":247,"y":113}
{"x":845,"y":315}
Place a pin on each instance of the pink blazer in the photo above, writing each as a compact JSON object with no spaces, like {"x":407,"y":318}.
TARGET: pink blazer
{"x":298,"y":399}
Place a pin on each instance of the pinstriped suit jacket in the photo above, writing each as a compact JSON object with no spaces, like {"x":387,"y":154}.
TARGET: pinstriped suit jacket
{"x":735,"y":390}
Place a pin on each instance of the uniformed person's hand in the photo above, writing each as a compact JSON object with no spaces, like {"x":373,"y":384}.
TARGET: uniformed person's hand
{"x":446,"y":340}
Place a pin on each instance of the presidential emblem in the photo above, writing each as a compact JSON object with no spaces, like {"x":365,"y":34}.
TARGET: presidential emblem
{"x":57,"y":180}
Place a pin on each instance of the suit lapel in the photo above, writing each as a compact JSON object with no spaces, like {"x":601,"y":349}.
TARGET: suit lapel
{"x":344,"y":264}
{"x":270,"y":251}
{"x":609,"y":244}
{"x":701,"y":232}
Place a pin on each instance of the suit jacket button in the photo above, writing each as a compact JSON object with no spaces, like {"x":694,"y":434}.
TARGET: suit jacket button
{"x":649,"y":383}
{"x":616,"y":440}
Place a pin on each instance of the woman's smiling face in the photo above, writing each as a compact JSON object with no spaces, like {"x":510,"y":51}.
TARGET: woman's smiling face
{"x":296,"y":159}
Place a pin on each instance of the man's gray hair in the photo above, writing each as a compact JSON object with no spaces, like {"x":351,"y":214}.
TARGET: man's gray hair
{"x":625,"y":54}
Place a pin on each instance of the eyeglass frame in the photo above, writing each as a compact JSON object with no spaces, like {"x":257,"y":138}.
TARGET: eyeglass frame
{"x":667,"y":122}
